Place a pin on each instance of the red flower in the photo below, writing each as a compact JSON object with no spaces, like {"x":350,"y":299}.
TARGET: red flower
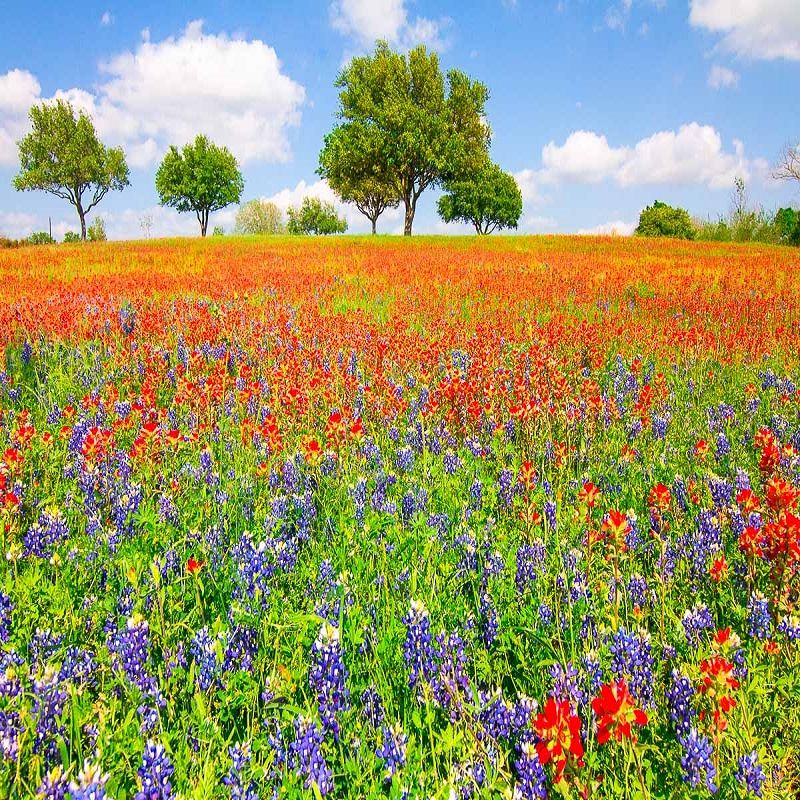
{"x":527,"y":475}
{"x":589,"y":495}
{"x":616,"y":527}
{"x":719,"y":569}
{"x":615,"y":711}
{"x":559,"y":732}
{"x":660,"y":497}
{"x":193,"y":566}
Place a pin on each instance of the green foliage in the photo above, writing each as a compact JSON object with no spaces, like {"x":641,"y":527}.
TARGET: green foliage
{"x":7,"y":244}
{"x":787,"y":226}
{"x":489,"y":199}
{"x":708,"y":231}
{"x":661,"y":219}
{"x":97,"y":230}
{"x":352,"y":162}
{"x":315,"y":217}
{"x":63,"y":156}
{"x":70,"y":237}
{"x":202,"y":177}
{"x":259,"y":218}
{"x":218,"y":231}
{"x":426,"y":128}
{"x":41,"y":237}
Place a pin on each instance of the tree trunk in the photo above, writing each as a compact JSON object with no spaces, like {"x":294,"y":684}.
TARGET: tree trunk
{"x":411,"y":207}
{"x":374,"y":221}
{"x":203,"y":223}
{"x":82,"y":215}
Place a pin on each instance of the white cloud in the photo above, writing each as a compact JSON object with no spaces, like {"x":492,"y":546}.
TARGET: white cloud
{"x":693,"y":154}
{"x":107,"y":19}
{"x":585,"y":157}
{"x":369,"y":20}
{"x":759,"y":29}
{"x":17,"y":224}
{"x":167,"y":92}
{"x":722,"y":77}
{"x":533,"y":222}
{"x":616,"y":228}
{"x":528,"y":181}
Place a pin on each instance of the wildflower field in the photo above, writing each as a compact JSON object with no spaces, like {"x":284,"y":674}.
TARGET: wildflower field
{"x":434,"y":518}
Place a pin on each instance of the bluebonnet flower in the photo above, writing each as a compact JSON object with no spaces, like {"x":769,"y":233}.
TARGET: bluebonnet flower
{"x":404,"y":459}
{"x":6,"y":607}
{"x":750,"y":774}
{"x":306,"y":756}
{"x":418,"y":650}
{"x":789,"y":626}
{"x":531,"y":781}
{"x":204,"y":653}
{"x":328,"y":676}
{"x":490,"y":622}
{"x":130,"y":648}
{"x":723,"y":446}
{"x":679,"y":695}
{"x":372,"y":706}
{"x":10,"y":729}
{"x":392,"y":750}
{"x":545,"y":614}
{"x":758,"y":619}
{"x":496,"y":715}
{"x":49,"y":701}
{"x":696,"y":620}
{"x":550,"y":513}
{"x":566,"y":683}
{"x":530,"y":561}
{"x":53,"y":786}
{"x":452,"y":463}
{"x":632,"y":659}
{"x":697,"y":761}
{"x":26,"y":353}
{"x":155,"y":773}
{"x":238,"y":786}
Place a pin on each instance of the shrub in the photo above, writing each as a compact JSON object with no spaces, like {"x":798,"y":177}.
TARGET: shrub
{"x":259,"y":218}
{"x":96,"y":232}
{"x":41,"y":237}
{"x":315,"y":217}
{"x":70,"y":237}
{"x":661,"y":219}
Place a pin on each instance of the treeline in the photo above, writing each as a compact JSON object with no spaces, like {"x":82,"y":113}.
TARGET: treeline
{"x":404,"y":126}
{"x":742,"y":223}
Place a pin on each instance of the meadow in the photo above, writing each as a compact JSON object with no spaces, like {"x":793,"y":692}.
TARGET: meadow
{"x":435,"y":518}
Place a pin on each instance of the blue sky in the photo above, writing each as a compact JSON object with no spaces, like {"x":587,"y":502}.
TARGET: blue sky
{"x":597,"y":107}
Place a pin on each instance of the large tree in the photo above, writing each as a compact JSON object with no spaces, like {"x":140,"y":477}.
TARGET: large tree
{"x":430,"y":127}
{"x":352,"y":162}
{"x":202,"y":177}
{"x":489,"y":199}
{"x":661,"y":219}
{"x":63,"y":156}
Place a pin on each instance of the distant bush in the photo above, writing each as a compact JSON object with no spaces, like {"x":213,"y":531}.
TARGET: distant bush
{"x":259,"y":217}
{"x":41,"y":237}
{"x":661,"y":219}
{"x":70,"y":237}
{"x":709,"y":231}
{"x":315,"y":217}
{"x":96,"y":232}
{"x":787,"y":226}
{"x":6,"y":243}
{"x":218,"y":231}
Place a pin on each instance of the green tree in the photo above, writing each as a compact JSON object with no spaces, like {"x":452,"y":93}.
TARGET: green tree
{"x":202,"y":177}
{"x":315,"y":217}
{"x":352,"y":162}
{"x":259,"y":217}
{"x":97,"y":230}
{"x":661,"y":219}
{"x":430,"y":128}
{"x":787,"y":225}
{"x":63,"y":156}
{"x":41,"y":237}
{"x":489,"y":199}
{"x":70,"y":237}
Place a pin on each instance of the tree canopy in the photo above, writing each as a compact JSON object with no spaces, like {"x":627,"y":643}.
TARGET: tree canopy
{"x":259,"y":217}
{"x":352,"y":162}
{"x":661,"y":219}
{"x":315,"y":217}
{"x":489,"y":199}
{"x":63,"y":156}
{"x":425,"y":127}
{"x":201,"y":177}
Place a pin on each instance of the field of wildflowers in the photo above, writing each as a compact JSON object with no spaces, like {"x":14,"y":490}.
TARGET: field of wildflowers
{"x":433,"y":518}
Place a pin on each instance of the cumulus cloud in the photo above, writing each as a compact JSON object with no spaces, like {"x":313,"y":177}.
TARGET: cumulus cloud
{"x":722,"y":77}
{"x":758,"y":29}
{"x":162,"y":93}
{"x":369,"y":20}
{"x":107,"y":19}
{"x":615,"y":228}
{"x":17,"y":224}
{"x":694,"y":154}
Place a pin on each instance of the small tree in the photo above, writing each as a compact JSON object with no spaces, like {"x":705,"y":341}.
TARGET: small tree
{"x":787,"y":225}
{"x":202,"y":177}
{"x":489,"y":199}
{"x":63,"y":156}
{"x":352,"y":163}
{"x":315,"y":217}
{"x":259,"y":218}
{"x":788,"y":166}
{"x":97,"y":230}
{"x":41,"y":237}
{"x":70,"y":237}
{"x":661,"y":219}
